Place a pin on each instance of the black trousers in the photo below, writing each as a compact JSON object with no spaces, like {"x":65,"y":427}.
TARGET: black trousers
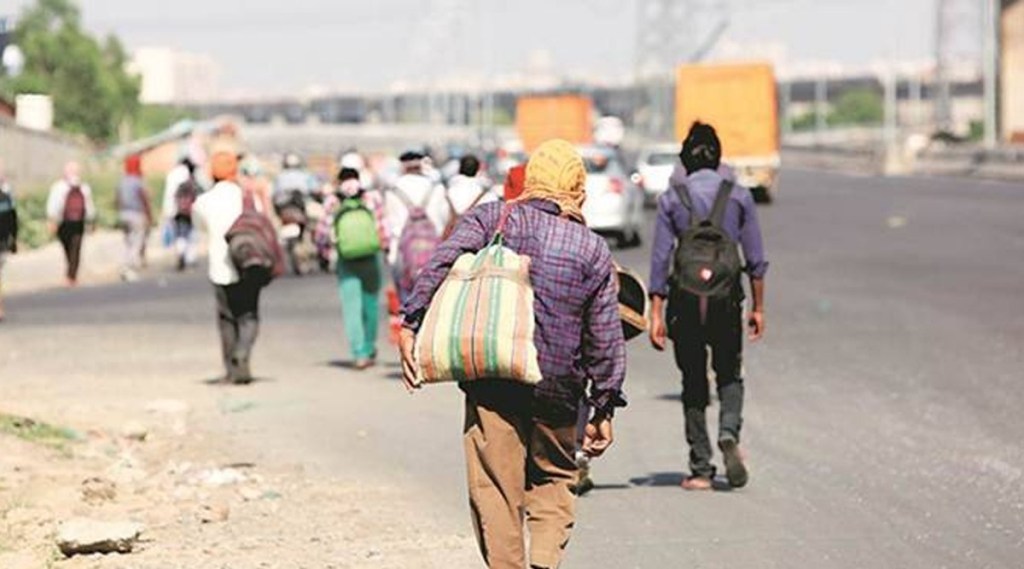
{"x":721,"y":330}
{"x":238,"y":319}
{"x":70,"y":233}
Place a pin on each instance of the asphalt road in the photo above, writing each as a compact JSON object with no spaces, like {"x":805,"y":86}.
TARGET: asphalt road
{"x":884,"y":418}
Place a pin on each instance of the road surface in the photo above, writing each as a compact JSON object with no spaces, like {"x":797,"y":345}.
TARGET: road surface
{"x":884,"y":418}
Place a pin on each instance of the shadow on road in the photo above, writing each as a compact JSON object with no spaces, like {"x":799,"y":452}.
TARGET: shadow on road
{"x":675,"y":479}
{"x":220,"y":382}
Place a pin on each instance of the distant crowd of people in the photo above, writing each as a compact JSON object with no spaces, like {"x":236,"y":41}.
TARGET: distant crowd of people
{"x":527,"y":437}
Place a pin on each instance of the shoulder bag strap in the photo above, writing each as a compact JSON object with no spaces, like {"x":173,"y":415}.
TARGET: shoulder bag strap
{"x":717,"y":216}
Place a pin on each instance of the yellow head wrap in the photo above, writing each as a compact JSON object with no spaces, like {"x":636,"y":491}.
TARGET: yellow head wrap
{"x":555,"y":173}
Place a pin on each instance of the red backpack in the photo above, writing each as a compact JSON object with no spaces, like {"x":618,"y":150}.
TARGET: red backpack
{"x":74,"y":205}
{"x":252,"y":244}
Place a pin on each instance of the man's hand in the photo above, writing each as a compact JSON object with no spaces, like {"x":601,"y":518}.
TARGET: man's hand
{"x":659,"y":334}
{"x":756,"y":325}
{"x":597,"y":437}
{"x":407,"y":343}
{"x":52,"y":228}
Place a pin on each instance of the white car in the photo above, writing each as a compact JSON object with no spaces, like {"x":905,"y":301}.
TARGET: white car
{"x":614,"y":205}
{"x":654,"y":168}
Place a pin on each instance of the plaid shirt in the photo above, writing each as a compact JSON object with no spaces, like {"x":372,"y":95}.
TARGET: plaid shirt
{"x":579,"y":333}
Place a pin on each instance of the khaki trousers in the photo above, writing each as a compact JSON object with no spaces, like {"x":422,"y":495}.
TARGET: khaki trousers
{"x":519,"y":466}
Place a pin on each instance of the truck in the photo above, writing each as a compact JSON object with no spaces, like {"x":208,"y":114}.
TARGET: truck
{"x":741,"y":102}
{"x":543,"y":117}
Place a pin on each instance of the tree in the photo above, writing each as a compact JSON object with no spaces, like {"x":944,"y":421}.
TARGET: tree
{"x":858,"y":107}
{"x":92,"y":93}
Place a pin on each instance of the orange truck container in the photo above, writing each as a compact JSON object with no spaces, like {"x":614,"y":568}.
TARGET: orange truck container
{"x":540,"y":118}
{"x":740,"y":101}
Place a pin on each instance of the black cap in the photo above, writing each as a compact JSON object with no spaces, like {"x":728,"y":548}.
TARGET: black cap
{"x":410,"y":156}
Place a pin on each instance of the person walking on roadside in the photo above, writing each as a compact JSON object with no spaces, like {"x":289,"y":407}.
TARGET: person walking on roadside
{"x":466,"y":190}
{"x":69,"y":209}
{"x":8,"y":229}
{"x":353,"y":222}
{"x":704,"y":211}
{"x":237,"y":295}
{"x":135,"y":216}
{"x":416,"y":214}
{"x":181,"y":190}
{"x":520,"y":440}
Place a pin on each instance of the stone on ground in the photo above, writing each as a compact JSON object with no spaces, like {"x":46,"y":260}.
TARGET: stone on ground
{"x":82,"y":536}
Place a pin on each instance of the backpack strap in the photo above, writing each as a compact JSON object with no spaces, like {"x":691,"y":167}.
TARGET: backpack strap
{"x":683,"y":191}
{"x":403,"y":198}
{"x":717,"y":217}
{"x":407,"y":201}
{"x":248,"y":201}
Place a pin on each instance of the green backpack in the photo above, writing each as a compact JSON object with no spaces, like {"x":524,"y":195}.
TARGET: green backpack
{"x":355,"y":231}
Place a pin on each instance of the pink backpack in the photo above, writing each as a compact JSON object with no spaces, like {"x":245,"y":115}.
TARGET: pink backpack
{"x":417,"y":242}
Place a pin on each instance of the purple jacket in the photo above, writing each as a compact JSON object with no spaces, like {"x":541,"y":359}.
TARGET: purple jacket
{"x":579,"y":334}
{"x":674,"y":219}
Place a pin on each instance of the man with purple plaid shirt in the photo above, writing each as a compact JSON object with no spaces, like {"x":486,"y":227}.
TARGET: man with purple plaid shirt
{"x":520,"y":440}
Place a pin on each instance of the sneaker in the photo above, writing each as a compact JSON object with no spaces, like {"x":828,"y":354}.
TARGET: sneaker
{"x":362,"y":364}
{"x":735,"y":469}
{"x":697,"y":483}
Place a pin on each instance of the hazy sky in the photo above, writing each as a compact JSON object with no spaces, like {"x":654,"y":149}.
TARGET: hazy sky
{"x":277,"y":45}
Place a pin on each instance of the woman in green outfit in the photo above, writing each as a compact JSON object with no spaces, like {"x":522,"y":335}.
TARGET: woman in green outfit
{"x":353,"y":223}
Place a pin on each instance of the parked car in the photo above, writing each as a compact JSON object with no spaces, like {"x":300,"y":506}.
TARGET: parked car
{"x":614,"y":205}
{"x":654,"y":168}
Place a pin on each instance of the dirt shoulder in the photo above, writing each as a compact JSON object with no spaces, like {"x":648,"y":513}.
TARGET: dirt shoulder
{"x":199,"y":502}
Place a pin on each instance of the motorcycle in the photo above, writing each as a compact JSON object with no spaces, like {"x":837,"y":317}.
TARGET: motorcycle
{"x":296,"y":239}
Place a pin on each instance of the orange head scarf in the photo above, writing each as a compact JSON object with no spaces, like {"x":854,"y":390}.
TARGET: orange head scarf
{"x":556,"y":173}
{"x":224,"y":166}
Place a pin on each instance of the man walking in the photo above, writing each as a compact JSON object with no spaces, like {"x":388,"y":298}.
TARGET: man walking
{"x":237,"y":296}
{"x":181,"y":190}
{"x":135,"y":215}
{"x":520,"y":440}
{"x":8,"y":230}
{"x":69,"y":209}
{"x":416,"y":213}
{"x":467,"y":189}
{"x":697,"y":317}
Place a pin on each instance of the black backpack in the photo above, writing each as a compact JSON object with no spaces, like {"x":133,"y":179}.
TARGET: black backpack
{"x":707,"y":260}
{"x":185,"y":197}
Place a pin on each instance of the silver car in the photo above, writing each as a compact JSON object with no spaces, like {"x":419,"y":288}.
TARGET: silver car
{"x":614,"y":205}
{"x":654,"y":168}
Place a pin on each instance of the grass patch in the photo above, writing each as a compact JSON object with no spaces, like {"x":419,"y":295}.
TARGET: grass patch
{"x":37,"y":432}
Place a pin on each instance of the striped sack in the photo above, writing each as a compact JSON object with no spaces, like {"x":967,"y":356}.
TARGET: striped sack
{"x":480,"y":324}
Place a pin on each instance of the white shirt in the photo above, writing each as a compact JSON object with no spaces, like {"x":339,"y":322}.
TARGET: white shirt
{"x":416,"y":188}
{"x":214,"y":212}
{"x":464,"y":190}
{"x":175,"y":178}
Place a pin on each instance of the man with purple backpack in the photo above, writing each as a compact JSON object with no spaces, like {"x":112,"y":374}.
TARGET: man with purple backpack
{"x":416,"y":213}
